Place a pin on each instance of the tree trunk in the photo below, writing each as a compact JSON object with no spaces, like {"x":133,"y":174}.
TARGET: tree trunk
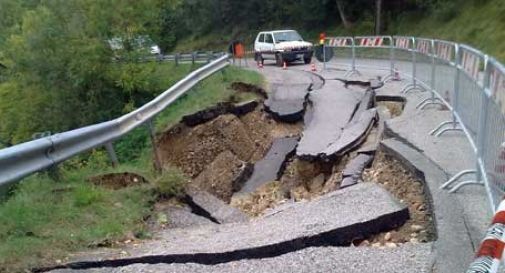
{"x":340,"y":7}
{"x":378,"y":23}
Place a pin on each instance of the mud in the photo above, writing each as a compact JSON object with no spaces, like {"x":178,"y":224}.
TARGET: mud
{"x":116,"y":181}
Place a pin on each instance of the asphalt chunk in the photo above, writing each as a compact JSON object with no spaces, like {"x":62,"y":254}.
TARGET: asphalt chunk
{"x":335,"y":219}
{"x":270,"y":168}
{"x":354,"y":169}
{"x":332,"y":107}
{"x":287,"y":103}
{"x":179,"y":217}
{"x":216,"y":209}
{"x":353,"y":135}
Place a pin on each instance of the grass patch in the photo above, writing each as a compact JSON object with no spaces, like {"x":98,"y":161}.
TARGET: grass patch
{"x":170,"y":183}
{"x":214,"y":89}
{"x":44,"y":220}
{"x":477,"y":23}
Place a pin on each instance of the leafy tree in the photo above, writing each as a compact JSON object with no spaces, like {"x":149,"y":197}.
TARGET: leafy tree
{"x":60,"y":71}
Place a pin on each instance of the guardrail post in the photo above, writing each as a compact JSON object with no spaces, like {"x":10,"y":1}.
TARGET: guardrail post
{"x":324,"y":56}
{"x":112,"y":154}
{"x":152,"y":135}
{"x":209,"y":56}
{"x":414,"y":63}
{"x":193,"y":57}
{"x":353,"y":52}
{"x":392,"y":55}
{"x":177,"y":57}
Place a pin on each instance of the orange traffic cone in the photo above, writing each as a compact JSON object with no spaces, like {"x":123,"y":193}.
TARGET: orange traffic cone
{"x":313,"y":67}
{"x":285,"y":66}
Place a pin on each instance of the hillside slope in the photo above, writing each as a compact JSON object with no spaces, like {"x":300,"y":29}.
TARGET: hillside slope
{"x":479,"y":24}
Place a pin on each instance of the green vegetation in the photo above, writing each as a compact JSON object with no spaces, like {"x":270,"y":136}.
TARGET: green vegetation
{"x":44,"y":220}
{"x":59,"y":71}
{"x":474,"y":22}
{"x":200,"y":98}
{"x":480,"y":24}
{"x":170,"y":183}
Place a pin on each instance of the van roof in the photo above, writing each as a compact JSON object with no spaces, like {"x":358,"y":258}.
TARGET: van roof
{"x":276,"y":31}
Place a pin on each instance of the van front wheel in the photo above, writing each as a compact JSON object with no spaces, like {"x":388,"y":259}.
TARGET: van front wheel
{"x":279,"y":60}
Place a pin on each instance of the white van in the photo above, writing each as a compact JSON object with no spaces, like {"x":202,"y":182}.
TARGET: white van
{"x":282,"y":46}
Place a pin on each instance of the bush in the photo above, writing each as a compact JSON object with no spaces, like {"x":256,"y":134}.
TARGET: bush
{"x":170,"y":183}
{"x":445,"y":11}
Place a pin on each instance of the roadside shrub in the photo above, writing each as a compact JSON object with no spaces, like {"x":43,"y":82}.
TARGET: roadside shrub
{"x":171,"y":182}
{"x":86,"y":195}
{"x":444,"y":11}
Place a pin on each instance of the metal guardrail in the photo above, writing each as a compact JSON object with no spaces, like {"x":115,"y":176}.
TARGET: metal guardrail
{"x":471,"y":85}
{"x":178,"y":58}
{"x":19,"y":161}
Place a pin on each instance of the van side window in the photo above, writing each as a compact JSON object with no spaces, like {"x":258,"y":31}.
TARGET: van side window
{"x":269,"y":39}
{"x":261,"y":39}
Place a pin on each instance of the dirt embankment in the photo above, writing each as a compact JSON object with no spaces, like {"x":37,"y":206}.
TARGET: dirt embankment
{"x":391,"y":174}
{"x":218,"y":154}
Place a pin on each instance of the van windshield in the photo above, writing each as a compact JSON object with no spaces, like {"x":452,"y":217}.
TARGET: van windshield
{"x":287,"y":36}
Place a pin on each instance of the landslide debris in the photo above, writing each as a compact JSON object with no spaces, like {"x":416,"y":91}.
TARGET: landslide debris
{"x":410,"y":190}
{"x":218,"y":155}
{"x":223,"y":176}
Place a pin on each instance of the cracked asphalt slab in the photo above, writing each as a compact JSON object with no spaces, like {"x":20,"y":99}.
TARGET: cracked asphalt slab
{"x":214,"y":208}
{"x":286,"y":102}
{"x":335,"y":219}
{"x":332,"y":107}
{"x":407,"y":258}
{"x":269,"y":168}
{"x":181,"y":217}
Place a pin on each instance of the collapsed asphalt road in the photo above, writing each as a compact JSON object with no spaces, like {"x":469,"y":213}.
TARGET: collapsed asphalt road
{"x":338,"y":118}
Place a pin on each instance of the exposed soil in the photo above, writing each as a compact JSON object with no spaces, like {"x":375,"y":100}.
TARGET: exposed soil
{"x":301,"y":181}
{"x":224,"y":176}
{"x":267,"y":196}
{"x":249,"y":88}
{"x":117,"y":181}
{"x":395,"y":107}
{"x":391,"y":174}
{"x":218,"y":154}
